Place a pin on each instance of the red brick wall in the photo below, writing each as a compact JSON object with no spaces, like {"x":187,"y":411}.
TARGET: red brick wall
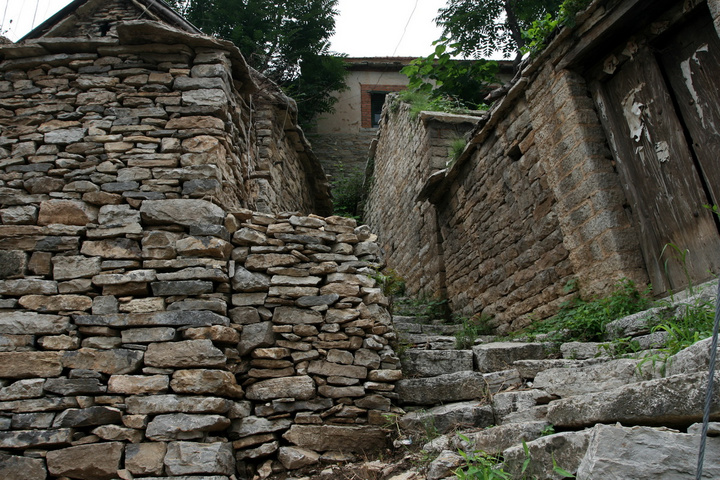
{"x":365,"y":108}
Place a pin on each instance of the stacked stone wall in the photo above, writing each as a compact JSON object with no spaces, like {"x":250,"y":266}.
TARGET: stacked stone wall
{"x":343,"y":153}
{"x":533,"y":204}
{"x":120,"y":123}
{"x":409,"y":149}
{"x":202,"y":343}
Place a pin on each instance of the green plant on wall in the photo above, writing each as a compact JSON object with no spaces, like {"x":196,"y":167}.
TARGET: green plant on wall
{"x":348,"y":191}
{"x":537,"y":35}
{"x":585,"y":320}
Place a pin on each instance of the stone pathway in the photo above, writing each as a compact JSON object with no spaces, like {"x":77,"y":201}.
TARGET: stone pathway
{"x":592,"y":414}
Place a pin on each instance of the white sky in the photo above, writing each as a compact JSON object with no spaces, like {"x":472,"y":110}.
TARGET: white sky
{"x":364,"y":28}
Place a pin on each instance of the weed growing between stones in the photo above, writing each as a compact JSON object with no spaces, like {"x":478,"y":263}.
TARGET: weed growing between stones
{"x":431,"y":307}
{"x":457,"y":146}
{"x":585,"y":320}
{"x":424,"y":102}
{"x":481,"y":465}
{"x":694,"y":323}
{"x":471,"y":329}
{"x":348,"y":191}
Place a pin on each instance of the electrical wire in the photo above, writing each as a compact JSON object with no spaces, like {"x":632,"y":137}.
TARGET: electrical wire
{"x":710,"y":388}
{"x":37,"y":4}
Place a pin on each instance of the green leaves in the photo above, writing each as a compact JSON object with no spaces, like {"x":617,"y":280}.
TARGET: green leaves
{"x":287,"y":41}
{"x":441,"y":76}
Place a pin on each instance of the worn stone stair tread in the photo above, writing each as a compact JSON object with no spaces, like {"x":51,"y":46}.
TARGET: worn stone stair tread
{"x":496,"y":356}
{"x":421,"y":338}
{"x":430,"y":363}
{"x":444,"y":418}
{"x":564,"y":449}
{"x":530,"y":368}
{"x":453,"y":387}
{"x":570,"y":381}
{"x":675,"y":401}
{"x":491,"y":440}
{"x":509,"y":403}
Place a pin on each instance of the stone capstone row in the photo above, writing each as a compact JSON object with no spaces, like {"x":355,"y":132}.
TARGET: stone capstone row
{"x":198,"y":343}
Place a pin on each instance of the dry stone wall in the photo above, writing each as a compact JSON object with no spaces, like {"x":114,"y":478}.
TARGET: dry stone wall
{"x":410,"y":149}
{"x":205,"y":341}
{"x":533,"y":205}
{"x":151,"y":325}
{"x":118,"y":122}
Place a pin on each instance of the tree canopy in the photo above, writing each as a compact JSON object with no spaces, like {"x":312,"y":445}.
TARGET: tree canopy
{"x":479,"y":29}
{"x":288,"y":41}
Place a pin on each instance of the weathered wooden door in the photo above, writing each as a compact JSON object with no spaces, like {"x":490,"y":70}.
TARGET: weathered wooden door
{"x":660,"y":110}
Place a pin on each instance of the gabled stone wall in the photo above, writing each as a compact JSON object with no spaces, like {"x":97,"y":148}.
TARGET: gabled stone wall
{"x":141,"y":118}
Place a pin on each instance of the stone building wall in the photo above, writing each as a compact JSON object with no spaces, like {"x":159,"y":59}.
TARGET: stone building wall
{"x":150,"y":120}
{"x":408,"y":151}
{"x":533,"y":203}
{"x":151,"y":323}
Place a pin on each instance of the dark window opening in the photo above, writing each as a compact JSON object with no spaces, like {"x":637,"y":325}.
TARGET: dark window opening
{"x":104,"y":28}
{"x":377,"y":100}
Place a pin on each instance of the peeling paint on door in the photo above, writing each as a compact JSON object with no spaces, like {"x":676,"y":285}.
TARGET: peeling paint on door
{"x":687,"y":73}
{"x":633,"y":112}
{"x":662,"y":150}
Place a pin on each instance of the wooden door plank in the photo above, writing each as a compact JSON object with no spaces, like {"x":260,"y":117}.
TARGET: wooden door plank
{"x":658,"y":174}
{"x":691,"y":60}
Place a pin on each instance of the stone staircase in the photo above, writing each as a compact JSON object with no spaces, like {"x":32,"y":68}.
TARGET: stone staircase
{"x":577,"y":407}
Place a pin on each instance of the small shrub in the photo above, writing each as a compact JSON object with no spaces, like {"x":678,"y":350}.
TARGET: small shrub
{"x":694,"y":323}
{"x":391,"y":282}
{"x":585,"y":320}
{"x":471,"y":329}
{"x":348,"y":191}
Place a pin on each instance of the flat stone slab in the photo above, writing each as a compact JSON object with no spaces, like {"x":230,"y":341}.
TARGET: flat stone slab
{"x":566,"y":450}
{"x":322,"y":438}
{"x":645,"y":453}
{"x":491,"y":440}
{"x":449,"y":417}
{"x":496,"y":356}
{"x":672,"y":401}
{"x":429,"y":363}
{"x":453,"y":387}
{"x":566,"y":382}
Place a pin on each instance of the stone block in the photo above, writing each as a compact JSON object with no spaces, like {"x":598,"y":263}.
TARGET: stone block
{"x":184,"y":426}
{"x":145,"y":458}
{"x":14,"y":467}
{"x":99,"y":461}
{"x":297,"y":387}
{"x":429,"y":363}
{"x":496,"y":356}
{"x":184,"y":354}
{"x":671,"y":401}
{"x":30,"y":364}
{"x":339,"y":438}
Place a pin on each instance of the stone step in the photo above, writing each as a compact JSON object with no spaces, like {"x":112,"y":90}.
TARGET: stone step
{"x":497,"y":356}
{"x":427,"y":328}
{"x":675,"y":401}
{"x":491,"y":440}
{"x":430,"y":363}
{"x":454,"y":387}
{"x":432,"y":342}
{"x":571,"y":381}
{"x":446,"y":418}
